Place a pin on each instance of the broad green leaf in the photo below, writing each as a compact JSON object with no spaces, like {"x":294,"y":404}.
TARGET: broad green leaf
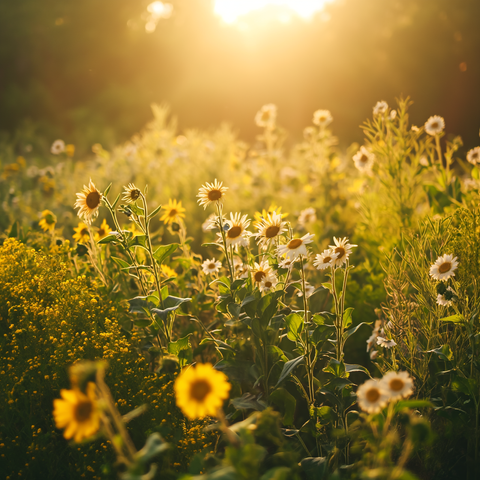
{"x":139,"y":241}
{"x":294,"y":323}
{"x":314,"y":468}
{"x":322,"y":333}
{"x":121,"y":263}
{"x":164,"y":251}
{"x":169,"y":305}
{"x":324,"y":414}
{"x":286,"y":403}
{"x":443,"y":352}
{"x":108,"y":239}
{"x":413,"y":404}
{"x":289,"y":367}
{"x":347,"y":317}
{"x":136,"y":209}
{"x":348,"y":333}
{"x":142,"y":323}
{"x":181,"y":344}
{"x":234,"y":309}
{"x":278,"y":473}
{"x":351,"y":367}
{"x":150,"y":215}
{"x":335,"y":368}
{"x":248,"y":402}
{"x":328,"y":286}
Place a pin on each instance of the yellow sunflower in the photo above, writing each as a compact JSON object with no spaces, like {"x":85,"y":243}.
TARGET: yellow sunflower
{"x":81,"y":234}
{"x":102,"y":231}
{"x":88,"y":202}
{"x":174,"y":212}
{"x":77,"y":413}
{"x":48,"y":221}
{"x":167,"y":271}
{"x":210,"y":193}
{"x":131,"y":193}
{"x":259,"y":217}
{"x":201,"y":391}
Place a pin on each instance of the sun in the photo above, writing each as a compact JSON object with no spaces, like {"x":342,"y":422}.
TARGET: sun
{"x":232,"y":10}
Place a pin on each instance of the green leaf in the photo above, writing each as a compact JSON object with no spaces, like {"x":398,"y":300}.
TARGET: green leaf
{"x":335,"y":368}
{"x":170,"y":304}
{"x":294,"y":323}
{"x":475,"y":173}
{"x":114,"y":204}
{"x":453,"y":318}
{"x":275,"y":353}
{"x":164,"y":251}
{"x":322,"y":333}
{"x":142,"y":323}
{"x":105,"y":193}
{"x":324,"y":414}
{"x":150,"y":215}
{"x":328,"y":286}
{"x":347,"y":317}
{"x":248,"y":402}
{"x":181,"y":344}
{"x":140,"y":305}
{"x":139,"y":241}
{"x":351,"y":331}
{"x":286,"y":403}
{"x":108,"y":239}
{"x":278,"y":473}
{"x":315,"y":468}
{"x":413,"y":404}
{"x":289,"y":367}
{"x":443,"y":352}
{"x":136,"y":209}
{"x":234,"y":309}
{"x":121,"y":263}
{"x":318,"y":319}
{"x":351,"y":367}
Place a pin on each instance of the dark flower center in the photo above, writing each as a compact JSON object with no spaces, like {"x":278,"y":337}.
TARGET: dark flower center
{"x":259,"y":276}
{"x":373,"y":395}
{"x":341,"y":252}
{"x":396,"y":385}
{"x":93,"y":199}
{"x":272,"y":231}
{"x":172,"y":212}
{"x":214,"y":195}
{"x":234,"y":232}
{"x":134,"y":194}
{"x":445,"y":267}
{"x":199,"y":390}
{"x":363,"y":159}
{"x":434,"y":125}
{"x":327,"y":259}
{"x":295,"y":243}
{"x":83,"y":411}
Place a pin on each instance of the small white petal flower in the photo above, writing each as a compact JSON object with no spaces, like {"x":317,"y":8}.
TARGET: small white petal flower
{"x":270,"y":228}
{"x":237,"y":232}
{"x":434,"y":125}
{"x":261,"y":270}
{"x":58,"y":146}
{"x":380,"y":107}
{"x":397,"y":385}
{"x":444,"y":267}
{"x":393,"y":115}
{"x":385,"y":342}
{"x":424,"y":161}
{"x":268,"y":283}
{"x":211,"y":193}
{"x":342,"y":249}
{"x":473,"y":155}
{"x":211,"y":266}
{"x":266,"y":116}
{"x":285,"y":263}
{"x":364,"y":160}
{"x":371,"y":396}
{"x":307,"y":216}
{"x":296,"y":246}
{"x":322,"y":118}
{"x":325,"y":259}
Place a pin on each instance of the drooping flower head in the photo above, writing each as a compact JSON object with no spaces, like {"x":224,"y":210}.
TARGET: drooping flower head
{"x":201,"y":391}
{"x":48,"y":221}
{"x":342,"y":249}
{"x":174,"y":212}
{"x":211,"y":193}
{"x":325,"y":259}
{"x":371,"y":396}
{"x":131,"y":193}
{"x":77,"y":413}
{"x":397,"y":385}
{"x":270,"y":228}
{"x":473,"y":155}
{"x":211,"y":266}
{"x":322,"y":118}
{"x":444,"y":267}
{"x":380,"y":108}
{"x":364,"y":160}
{"x":266,"y":116}
{"x":434,"y":125}
{"x":296,"y":247}
{"x":88,"y":202}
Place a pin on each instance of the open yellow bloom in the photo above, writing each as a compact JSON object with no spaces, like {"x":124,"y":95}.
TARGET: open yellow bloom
{"x":77,"y":413}
{"x":88,"y":202}
{"x":48,"y":221}
{"x":201,"y":391}
{"x":102,"y":231}
{"x":174,"y":212}
{"x":81,"y":234}
{"x":211,"y":193}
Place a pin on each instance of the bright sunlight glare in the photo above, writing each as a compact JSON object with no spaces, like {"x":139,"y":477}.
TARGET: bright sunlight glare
{"x":231,"y":10}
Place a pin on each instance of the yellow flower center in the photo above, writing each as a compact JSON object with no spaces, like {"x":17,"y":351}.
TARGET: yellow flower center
{"x":266,"y":116}
{"x":93,"y":199}
{"x":234,"y":232}
{"x":396,"y":385}
{"x":373,"y":395}
{"x":341,"y":252}
{"x":322,"y":118}
{"x":272,"y":231}
{"x":259,"y":276}
{"x":445,"y":267}
{"x":199,"y":390}
{"x":295,"y":243}
{"x":83,"y":411}
{"x":214,"y":195}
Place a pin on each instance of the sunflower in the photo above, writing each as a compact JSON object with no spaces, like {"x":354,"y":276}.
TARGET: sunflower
{"x":268,"y":283}
{"x":82,"y":234}
{"x":77,"y":412}
{"x":174,"y":212}
{"x":364,"y":159}
{"x":261,"y":270}
{"x":434,"y":125}
{"x":102,"y":231}
{"x":48,"y":221}
{"x":325,"y":259}
{"x":266,"y":116}
{"x":307,"y":216}
{"x":444,"y":267}
{"x":237,"y":233}
{"x":380,"y":108}
{"x":322,"y":118}
{"x":473,"y":155}
{"x":397,"y":385}
{"x":211,"y":192}
{"x":296,"y":246}
{"x":260,"y":216}
{"x":131,"y":193}
{"x":201,"y":391}
{"x":88,"y":202}
{"x":211,"y":266}
{"x":270,"y":228}
{"x":371,"y":396}
{"x":58,"y":146}
{"x":343,"y":249}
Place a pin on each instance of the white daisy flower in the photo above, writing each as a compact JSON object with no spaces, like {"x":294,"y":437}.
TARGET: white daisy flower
{"x":285,"y":262}
{"x":380,"y":107}
{"x":434,"y":125}
{"x":266,"y":116}
{"x":444,"y":267}
{"x":325,"y":259}
{"x":270,"y":228}
{"x":237,"y":233}
{"x":296,"y":246}
{"x":307,"y":216}
{"x":470,"y":184}
{"x":364,"y":160}
{"x":385,"y":342}
{"x":268,"y":283}
{"x":473,"y":155}
{"x":309,"y":290}
{"x":415,"y":129}
{"x":397,"y":385}
{"x":210,"y":193}
{"x":322,"y":118}
{"x":442,"y":300}
{"x":211,"y":266}
{"x":241,"y":269}
{"x":261,"y":270}
{"x":371,"y":396}
{"x":342,"y":249}
{"x":58,"y":146}
{"x":372,"y":340}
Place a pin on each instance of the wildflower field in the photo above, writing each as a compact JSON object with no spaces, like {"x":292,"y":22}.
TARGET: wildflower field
{"x":190,"y":305}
